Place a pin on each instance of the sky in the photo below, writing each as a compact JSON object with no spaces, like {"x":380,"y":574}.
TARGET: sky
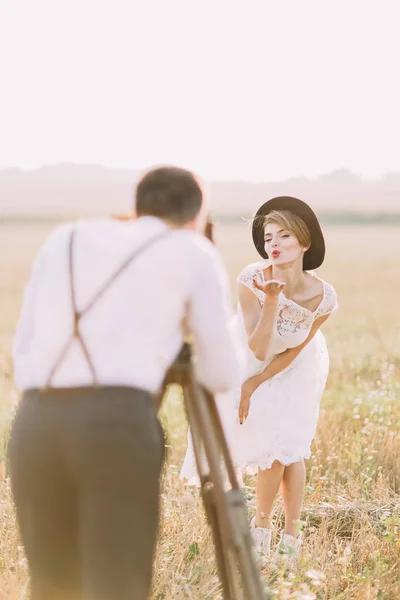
{"x":254,"y":90}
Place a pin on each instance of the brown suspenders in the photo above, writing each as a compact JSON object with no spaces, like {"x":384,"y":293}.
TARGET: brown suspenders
{"x":77,"y":315}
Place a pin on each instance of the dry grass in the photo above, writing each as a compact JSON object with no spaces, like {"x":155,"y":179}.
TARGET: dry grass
{"x":351,"y":510}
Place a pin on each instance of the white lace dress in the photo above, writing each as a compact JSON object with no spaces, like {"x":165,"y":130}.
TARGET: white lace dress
{"x":284,"y":409}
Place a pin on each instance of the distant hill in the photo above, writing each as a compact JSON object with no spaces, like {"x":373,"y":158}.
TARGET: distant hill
{"x":93,"y":189}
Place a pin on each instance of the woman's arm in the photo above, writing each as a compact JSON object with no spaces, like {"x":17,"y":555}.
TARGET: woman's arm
{"x":260,"y":321}
{"x":282,"y":361}
{"x":278,"y":364}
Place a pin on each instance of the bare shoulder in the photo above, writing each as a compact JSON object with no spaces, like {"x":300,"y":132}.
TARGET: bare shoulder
{"x":329,"y":302}
{"x":315,"y":285}
{"x":320,"y":283}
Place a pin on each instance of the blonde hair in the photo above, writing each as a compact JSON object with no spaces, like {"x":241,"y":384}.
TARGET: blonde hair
{"x":290,"y":222}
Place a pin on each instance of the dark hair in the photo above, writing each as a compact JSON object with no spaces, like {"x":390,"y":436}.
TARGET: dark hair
{"x":169,"y":193}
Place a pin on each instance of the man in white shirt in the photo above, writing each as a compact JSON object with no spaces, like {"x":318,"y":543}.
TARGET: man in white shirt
{"x":101,"y":323}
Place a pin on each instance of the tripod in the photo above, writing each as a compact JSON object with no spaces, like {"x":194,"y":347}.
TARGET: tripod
{"x":225,"y":508}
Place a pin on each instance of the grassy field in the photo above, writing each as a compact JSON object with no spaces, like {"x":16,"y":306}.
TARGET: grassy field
{"x":352,"y":503}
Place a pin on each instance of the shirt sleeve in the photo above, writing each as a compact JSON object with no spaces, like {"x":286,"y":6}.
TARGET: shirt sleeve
{"x":26,"y":323}
{"x":219,"y":356}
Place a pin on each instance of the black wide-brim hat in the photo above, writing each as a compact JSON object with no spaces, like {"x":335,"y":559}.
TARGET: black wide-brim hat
{"x":314,"y":256}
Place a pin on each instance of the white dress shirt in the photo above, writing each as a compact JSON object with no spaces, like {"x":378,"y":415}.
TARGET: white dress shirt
{"x":135,"y":330}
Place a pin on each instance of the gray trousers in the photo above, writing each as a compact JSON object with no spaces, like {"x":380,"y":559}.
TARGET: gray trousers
{"x":85,"y":471}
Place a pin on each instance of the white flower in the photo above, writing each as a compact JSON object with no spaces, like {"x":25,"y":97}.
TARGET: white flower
{"x":314,"y":574}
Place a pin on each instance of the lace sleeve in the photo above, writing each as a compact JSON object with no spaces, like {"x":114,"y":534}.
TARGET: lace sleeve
{"x":246,"y":277}
{"x":329,"y":304}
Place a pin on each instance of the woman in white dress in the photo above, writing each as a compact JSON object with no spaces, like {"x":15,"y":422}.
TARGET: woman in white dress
{"x":270,"y":419}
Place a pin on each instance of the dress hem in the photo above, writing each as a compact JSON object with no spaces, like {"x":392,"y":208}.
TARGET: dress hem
{"x":251,"y":468}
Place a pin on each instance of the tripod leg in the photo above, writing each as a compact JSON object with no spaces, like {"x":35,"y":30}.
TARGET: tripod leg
{"x":236,"y":561}
{"x":225,"y":510}
{"x":245,"y":553}
{"x":207,"y":494}
{"x":242,"y":540}
{"x":226,"y":572}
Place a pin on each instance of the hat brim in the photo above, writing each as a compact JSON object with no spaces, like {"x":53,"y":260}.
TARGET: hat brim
{"x":314,"y":256}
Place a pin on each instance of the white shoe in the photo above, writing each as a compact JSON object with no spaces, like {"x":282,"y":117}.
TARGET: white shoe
{"x":288,"y":548}
{"x":261,"y":538}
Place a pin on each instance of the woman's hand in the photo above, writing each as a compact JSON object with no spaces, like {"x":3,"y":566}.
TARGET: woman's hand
{"x":248,"y":387}
{"x":271,"y":288}
{"x":244,"y":406}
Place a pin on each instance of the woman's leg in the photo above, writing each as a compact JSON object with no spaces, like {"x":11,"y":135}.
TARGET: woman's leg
{"x":293,"y":482}
{"x":268,"y":482}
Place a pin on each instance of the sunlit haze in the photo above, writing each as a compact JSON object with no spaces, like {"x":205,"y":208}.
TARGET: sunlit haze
{"x":255,"y":90}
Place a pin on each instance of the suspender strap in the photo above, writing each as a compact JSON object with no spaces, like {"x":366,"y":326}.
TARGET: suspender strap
{"x":77,"y":315}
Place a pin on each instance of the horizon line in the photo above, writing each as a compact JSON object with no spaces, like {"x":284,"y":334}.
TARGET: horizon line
{"x":138,"y":171}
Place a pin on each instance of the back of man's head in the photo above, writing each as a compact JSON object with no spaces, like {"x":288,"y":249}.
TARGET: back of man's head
{"x":169,"y":193}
